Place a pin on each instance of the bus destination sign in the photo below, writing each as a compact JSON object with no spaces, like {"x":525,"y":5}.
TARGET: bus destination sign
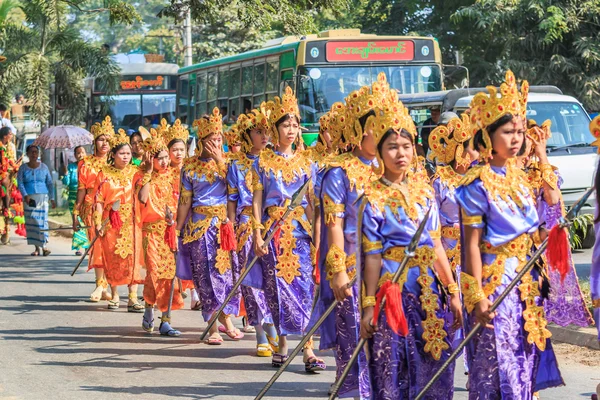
{"x":380,"y":50}
{"x":140,"y":82}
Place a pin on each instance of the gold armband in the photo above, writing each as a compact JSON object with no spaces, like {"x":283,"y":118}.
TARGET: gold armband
{"x":368,"y":301}
{"x":471,"y":220}
{"x":549,"y":176}
{"x":97,"y":216}
{"x":256,"y":224}
{"x":471,"y":290}
{"x":335,"y":261}
{"x":75,"y":213}
{"x":146,"y":179}
{"x":452,"y":288}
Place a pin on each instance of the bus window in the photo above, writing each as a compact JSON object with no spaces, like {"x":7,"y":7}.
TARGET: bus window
{"x":201,"y":92}
{"x":235,"y":82}
{"x":200,"y":109}
{"x":183,"y":97}
{"x":259,"y":79}
{"x":234,"y":108}
{"x":272,"y":75}
{"x":212,"y":85}
{"x":125,"y":110}
{"x":247,"y":80}
{"x":224,"y":84}
{"x":258,"y":99}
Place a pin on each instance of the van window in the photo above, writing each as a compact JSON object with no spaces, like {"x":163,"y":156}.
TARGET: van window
{"x":569,"y":122}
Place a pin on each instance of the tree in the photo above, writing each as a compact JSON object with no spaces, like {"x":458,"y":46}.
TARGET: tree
{"x":44,"y":50}
{"x":543,"y":41}
{"x":293,"y":16}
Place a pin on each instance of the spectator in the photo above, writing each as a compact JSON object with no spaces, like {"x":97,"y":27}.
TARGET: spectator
{"x":5,"y":121}
{"x":428,"y":125}
{"x":136,"y":148}
{"x":35,"y":184}
{"x":80,"y":240}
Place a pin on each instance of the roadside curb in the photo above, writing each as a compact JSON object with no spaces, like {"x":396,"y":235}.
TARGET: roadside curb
{"x":67,"y":233}
{"x":584,"y":337}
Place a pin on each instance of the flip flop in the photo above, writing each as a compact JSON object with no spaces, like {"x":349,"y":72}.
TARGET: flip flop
{"x":249,"y":329}
{"x":35,"y":253}
{"x":196,"y":306}
{"x":46,"y":253}
{"x":263,"y":350}
{"x":135,"y":308}
{"x":166,"y":330}
{"x":274,"y":343}
{"x":113,"y":305}
{"x":314,"y":364}
{"x":235,"y":334}
{"x":214,"y":341}
{"x":148,"y":326}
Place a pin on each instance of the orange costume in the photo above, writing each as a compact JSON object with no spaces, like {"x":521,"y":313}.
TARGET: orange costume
{"x":121,"y":245}
{"x":159,"y":259}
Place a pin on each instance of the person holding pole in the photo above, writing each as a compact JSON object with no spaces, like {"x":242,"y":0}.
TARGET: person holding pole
{"x":286,"y":262}
{"x":121,"y":237}
{"x":499,"y":218}
{"x":207,"y":234}
{"x":409,"y":338}
{"x":88,"y":169}
{"x":156,"y":184}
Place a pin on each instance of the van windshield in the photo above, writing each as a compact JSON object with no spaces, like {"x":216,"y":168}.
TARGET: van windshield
{"x":570,"y":123}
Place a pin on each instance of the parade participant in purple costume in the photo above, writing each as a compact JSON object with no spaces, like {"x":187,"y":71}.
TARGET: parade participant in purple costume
{"x":498,"y":217}
{"x":595,"y":271}
{"x":203,"y":223}
{"x":411,"y":338}
{"x":344,"y":181}
{"x":565,"y":304}
{"x":286,"y":264}
{"x":252,"y":132}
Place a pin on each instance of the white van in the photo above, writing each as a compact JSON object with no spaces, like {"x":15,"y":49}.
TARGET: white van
{"x":569,"y":147}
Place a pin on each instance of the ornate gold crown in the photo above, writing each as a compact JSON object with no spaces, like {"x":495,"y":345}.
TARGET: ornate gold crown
{"x":207,"y":127}
{"x":394,"y":116}
{"x":232,"y":136}
{"x":363,"y":100}
{"x":279,"y":107}
{"x":117,"y":139}
{"x":257,"y":118}
{"x":105,"y":128}
{"x":334,"y":122}
{"x":177,"y":131}
{"x":155,"y":142}
{"x":447,"y":142}
{"x":595,"y":129}
{"x":487,"y":109}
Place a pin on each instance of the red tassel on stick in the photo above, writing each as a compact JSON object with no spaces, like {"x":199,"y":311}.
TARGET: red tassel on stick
{"x":558,"y":251}
{"x":393,"y":308}
{"x":228,"y":242}
{"x":316,"y":269}
{"x":276,"y":239}
{"x":170,"y":237}
{"x":115,"y":219}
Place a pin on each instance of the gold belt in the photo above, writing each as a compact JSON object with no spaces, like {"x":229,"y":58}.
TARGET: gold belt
{"x":433,"y":327}
{"x":247,"y":211}
{"x":244,"y":229}
{"x":288,"y":263}
{"x":451,"y":232}
{"x":195,"y":230}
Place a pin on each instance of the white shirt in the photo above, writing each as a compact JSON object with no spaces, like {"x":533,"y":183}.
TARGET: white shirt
{"x":6,"y":122}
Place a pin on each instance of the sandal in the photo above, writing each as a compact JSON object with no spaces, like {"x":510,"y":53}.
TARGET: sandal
{"x":136,"y":307}
{"x":249,"y":329}
{"x":235,"y":334}
{"x":166,"y":330}
{"x":214,"y":341}
{"x":314,"y":364}
{"x":35,"y":253}
{"x":196,"y":306}
{"x":274,"y":343}
{"x":78,"y":253}
{"x":148,"y":326}
{"x":113,"y":305}
{"x":263,"y":350}
{"x":278,"y":360}
{"x":95,"y":296}
{"x":46,"y":252}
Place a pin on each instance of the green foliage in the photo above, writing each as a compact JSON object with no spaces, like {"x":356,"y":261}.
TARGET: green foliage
{"x":42,"y":49}
{"x":543,"y":41}
{"x":291,"y":16}
{"x":579,"y":229}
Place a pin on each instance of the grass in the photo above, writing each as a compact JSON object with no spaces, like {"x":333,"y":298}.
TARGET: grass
{"x":60,"y":215}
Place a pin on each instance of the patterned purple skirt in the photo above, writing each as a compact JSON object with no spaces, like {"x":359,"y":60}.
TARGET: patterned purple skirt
{"x":257,"y":310}
{"x":212,"y":286}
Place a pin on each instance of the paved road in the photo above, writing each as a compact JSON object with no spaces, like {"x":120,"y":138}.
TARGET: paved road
{"x":56,"y":345}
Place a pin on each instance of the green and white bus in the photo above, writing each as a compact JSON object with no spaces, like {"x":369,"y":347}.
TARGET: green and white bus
{"x":322,"y":68}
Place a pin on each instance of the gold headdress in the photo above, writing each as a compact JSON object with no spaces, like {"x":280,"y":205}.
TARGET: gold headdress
{"x":595,"y":129}
{"x":334,"y":122}
{"x":487,"y":109}
{"x":447,"y":143}
{"x":117,"y":139}
{"x":154,"y":143}
{"x":360,"y":102}
{"x":232,"y":136}
{"x":105,"y":128}
{"x":212,"y":125}
{"x":258,"y":118}
{"x":176,"y":131}
{"x":280,"y":107}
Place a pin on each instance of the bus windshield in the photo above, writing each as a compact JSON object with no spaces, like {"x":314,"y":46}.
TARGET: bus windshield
{"x":127,"y":110}
{"x":319,"y":87}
